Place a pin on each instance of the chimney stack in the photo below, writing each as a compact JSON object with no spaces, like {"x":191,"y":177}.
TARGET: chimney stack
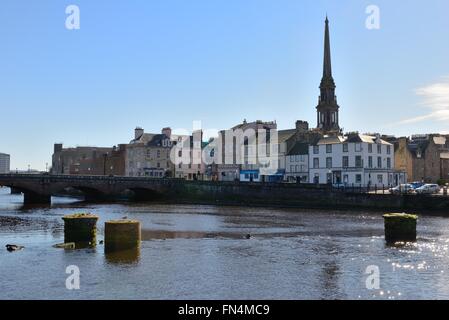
{"x":167,"y":132}
{"x":138,"y":132}
{"x":302,"y":126}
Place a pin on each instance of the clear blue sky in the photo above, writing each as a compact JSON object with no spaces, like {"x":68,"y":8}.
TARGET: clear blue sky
{"x":156,"y":63}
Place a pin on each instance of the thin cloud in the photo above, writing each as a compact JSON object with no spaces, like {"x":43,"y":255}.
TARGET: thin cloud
{"x":435,"y":98}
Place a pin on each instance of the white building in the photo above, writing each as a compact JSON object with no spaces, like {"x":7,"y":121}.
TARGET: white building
{"x":4,"y":163}
{"x":352,"y":160}
{"x":297,"y":163}
{"x":189,"y":164}
{"x":241,"y":158}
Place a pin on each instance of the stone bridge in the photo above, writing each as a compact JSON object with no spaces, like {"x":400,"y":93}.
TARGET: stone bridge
{"x":38,"y":189}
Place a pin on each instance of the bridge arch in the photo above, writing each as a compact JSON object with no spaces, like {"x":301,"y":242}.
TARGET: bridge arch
{"x":144,"y":194}
{"x":29,"y":196}
{"x":89,"y":193}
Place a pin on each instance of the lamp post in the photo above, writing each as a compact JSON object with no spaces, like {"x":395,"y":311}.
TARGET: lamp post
{"x":105,"y":156}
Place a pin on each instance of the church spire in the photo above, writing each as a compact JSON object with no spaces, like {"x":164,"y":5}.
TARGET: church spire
{"x":327,"y":109}
{"x":327,"y":65}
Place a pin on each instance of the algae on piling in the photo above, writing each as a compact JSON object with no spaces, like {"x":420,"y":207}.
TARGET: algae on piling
{"x":400,"y":227}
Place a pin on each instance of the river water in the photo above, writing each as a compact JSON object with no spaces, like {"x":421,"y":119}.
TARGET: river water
{"x":201,"y":252}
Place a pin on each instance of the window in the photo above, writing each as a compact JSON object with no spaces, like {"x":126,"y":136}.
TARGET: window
{"x":389,"y":163}
{"x":328,"y":148}
{"x":345,"y":178}
{"x":358,"y":161}
{"x":358,"y":178}
{"x":345,"y":162}
{"x":345,"y":147}
{"x":303,"y":168}
{"x":158,"y":165}
{"x":380,"y":179}
{"x":297,"y":169}
{"x":329,"y":162}
{"x":370,"y":162}
{"x":316,"y":149}
{"x":316,"y":163}
{"x":379,"y":162}
{"x":388,"y":149}
{"x":379,"y":148}
{"x":297,"y":158}
{"x":180,"y":165}
{"x":358,"y":147}
{"x":370,"y":148}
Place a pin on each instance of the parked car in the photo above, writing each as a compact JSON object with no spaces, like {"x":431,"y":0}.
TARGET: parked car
{"x":339,"y":185}
{"x":417,"y":185}
{"x":402,"y":189}
{"x":428,"y":189}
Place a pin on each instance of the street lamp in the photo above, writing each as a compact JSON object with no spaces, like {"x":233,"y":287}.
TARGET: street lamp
{"x":105,"y":156}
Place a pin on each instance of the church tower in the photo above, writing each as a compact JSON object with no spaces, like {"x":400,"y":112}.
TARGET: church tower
{"x":327,"y":109}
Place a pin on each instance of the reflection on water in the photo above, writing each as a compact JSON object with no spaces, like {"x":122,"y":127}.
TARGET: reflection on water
{"x":202,"y":252}
{"x":127,"y":256}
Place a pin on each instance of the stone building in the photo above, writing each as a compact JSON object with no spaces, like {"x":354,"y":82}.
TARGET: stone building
{"x":148,"y":154}
{"x":65,"y":159}
{"x":195,"y":158}
{"x":109,"y":163}
{"x":4,"y":163}
{"x":424,"y":157}
{"x":238,"y":154}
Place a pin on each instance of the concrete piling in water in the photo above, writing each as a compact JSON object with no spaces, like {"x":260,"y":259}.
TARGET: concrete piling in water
{"x":80,"y":229}
{"x":122,"y":235}
{"x":128,"y":256}
{"x":400,"y":227}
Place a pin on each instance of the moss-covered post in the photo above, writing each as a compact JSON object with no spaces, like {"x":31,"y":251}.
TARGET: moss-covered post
{"x":128,"y":256}
{"x":122,"y":235}
{"x":400,"y":227}
{"x":80,"y":229}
